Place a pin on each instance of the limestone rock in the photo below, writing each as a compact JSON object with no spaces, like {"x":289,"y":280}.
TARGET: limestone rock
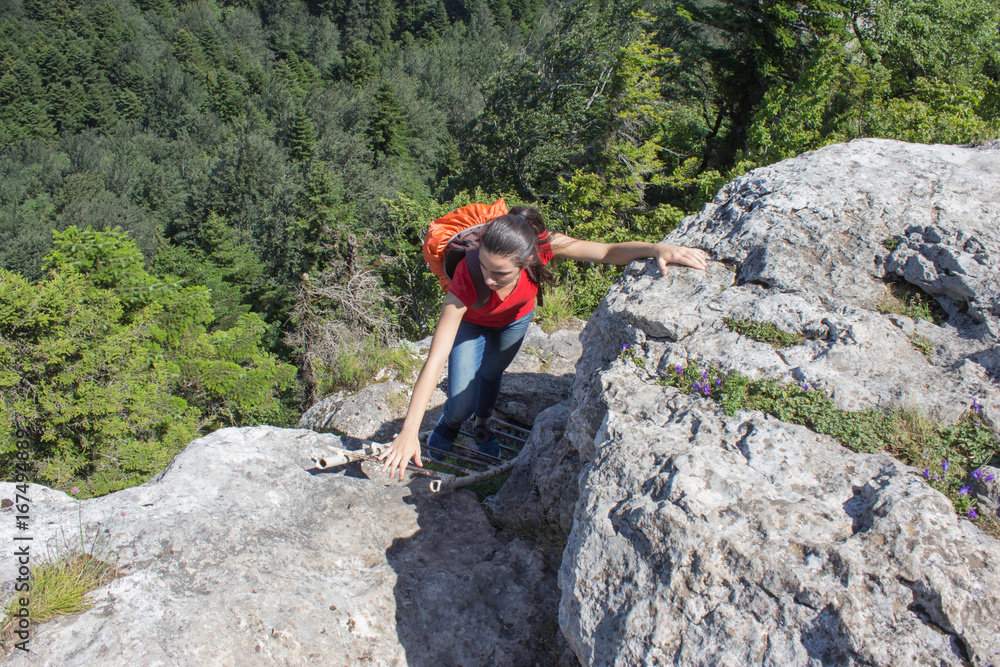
{"x":239,"y":554}
{"x":705,"y":539}
{"x":542,"y":487}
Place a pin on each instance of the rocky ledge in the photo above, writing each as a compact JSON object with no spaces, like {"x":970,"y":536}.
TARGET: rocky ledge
{"x":239,"y":553}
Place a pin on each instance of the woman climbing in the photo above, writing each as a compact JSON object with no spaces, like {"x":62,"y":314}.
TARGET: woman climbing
{"x":480,"y":343}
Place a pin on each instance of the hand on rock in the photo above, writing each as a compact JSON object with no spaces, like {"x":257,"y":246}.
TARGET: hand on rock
{"x":404,"y":447}
{"x":676,"y":254}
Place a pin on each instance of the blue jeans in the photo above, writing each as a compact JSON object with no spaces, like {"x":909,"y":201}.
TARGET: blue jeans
{"x":478,"y":359}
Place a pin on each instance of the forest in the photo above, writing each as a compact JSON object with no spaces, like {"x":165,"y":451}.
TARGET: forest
{"x":211,"y":212}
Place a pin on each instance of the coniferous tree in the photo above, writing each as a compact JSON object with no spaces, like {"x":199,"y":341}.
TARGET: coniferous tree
{"x":211,"y":46}
{"x":358,"y":22}
{"x":387,"y":129}
{"x":437,"y":21}
{"x":187,"y":49}
{"x":301,"y":135}
{"x":324,"y":221}
{"x":382,"y":23}
{"x":360,"y":64}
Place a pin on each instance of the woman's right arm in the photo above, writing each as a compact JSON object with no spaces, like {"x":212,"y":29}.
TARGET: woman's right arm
{"x":406,"y":445}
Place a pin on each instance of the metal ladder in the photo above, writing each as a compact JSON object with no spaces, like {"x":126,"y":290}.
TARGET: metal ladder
{"x":463,"y":465}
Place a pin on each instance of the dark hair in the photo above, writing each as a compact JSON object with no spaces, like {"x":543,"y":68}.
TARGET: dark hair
{"x":517,"y":236}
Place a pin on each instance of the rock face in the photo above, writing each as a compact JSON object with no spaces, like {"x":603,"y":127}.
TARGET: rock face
{"x":702,"y":540}
{"x":238,"y":554}
{"x":705,"y":539}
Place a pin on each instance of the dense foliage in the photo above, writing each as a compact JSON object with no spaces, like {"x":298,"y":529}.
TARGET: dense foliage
{"x":287,"y":156}
{"x":107,"y":370}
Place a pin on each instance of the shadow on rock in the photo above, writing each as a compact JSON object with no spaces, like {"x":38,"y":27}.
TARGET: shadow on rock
{"x":467,"y":594}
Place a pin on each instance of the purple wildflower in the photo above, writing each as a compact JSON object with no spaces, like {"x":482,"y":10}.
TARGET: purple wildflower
{"x":678,"y":369}
{"x":704,"y":375}
{"x":987,"y":477}
{"x":927,"y":473}
{"x":944,"y":465}
{"x":624,"y":346}
{"x":978,"y":424}
{"x":975,"y":405}
{"x":804,"y":386}
{"x":977,"y":474}
{"x":718,"y":382}
{"x":973,"y":515}
{"x":937,"y":478}
{"x":964,"y":490}
{"x":707,"y":390}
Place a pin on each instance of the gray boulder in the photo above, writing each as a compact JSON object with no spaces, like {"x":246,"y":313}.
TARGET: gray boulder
{"x":240,"y":554}
{"x":705,"y":539}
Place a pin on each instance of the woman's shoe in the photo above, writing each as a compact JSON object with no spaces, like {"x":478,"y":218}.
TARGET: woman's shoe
{"x":486,"y":440}
{"x":438,"y":446}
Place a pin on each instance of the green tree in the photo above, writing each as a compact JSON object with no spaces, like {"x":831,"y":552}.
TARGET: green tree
{"x":750,"y":47}
{"x":436,"y":22}
{"x":110,"y":370}
{"x":383,"y":22}
{"x":324,"y":222}
{"x":188,"y":51}
{"x":301,"y":135}
{"x":220,"y":263}
{"x":360,"y":64}
{"x":387,"y":129}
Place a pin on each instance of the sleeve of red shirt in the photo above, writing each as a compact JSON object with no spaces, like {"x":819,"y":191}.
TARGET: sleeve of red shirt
{"x":545,"y":253}
{"x":545,"y":248}
{"x":462,"y":285}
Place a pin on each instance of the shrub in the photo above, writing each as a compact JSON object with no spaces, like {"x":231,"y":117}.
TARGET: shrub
{"x":110,"y":370}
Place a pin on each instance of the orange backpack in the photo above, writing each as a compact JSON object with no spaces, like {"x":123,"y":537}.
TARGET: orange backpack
{"x":454,"y":237}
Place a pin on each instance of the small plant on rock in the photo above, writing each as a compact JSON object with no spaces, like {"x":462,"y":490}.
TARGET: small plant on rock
{"x":764,"y":332}
{"x":922,"y":345}
{"x":633,"y":354}
{"x":901,"y":298}
{"x":59,"y":586}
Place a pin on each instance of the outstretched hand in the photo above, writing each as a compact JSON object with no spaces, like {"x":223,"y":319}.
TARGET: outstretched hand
{"x":404,"y":447}
{"x":677,"y":254}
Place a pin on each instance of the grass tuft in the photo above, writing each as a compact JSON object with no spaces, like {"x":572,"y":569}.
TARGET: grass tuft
{"x":356,"y":366}
{"x":59,"y":586}
{"x":902,"y":298}
{"x":557,"y":309}
{"x":764,"y":332}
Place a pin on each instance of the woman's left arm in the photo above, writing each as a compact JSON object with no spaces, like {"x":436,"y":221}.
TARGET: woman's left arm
{"x":623,"y":253}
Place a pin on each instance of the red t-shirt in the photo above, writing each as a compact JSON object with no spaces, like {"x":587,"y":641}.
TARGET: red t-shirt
{"x":498,"y":312}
